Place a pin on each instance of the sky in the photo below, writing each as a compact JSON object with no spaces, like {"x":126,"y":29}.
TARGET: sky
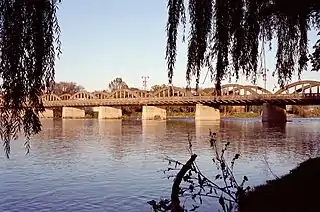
{"x":105,"y":39}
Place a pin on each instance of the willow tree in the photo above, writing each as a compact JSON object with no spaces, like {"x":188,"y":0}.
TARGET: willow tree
{"x":29,"y":42}
{"x":225,"y":36}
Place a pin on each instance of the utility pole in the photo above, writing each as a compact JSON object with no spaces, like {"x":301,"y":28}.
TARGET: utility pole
{"x":264,"y":65}
{"x":144,"y":82}
{"x":264,"y":72}
{"x":265,"y":78}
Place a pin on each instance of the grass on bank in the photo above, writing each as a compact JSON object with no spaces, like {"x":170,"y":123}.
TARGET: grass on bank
{"x":192,"y":115}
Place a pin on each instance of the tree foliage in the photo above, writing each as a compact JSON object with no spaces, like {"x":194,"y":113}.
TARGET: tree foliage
{"x":155,"y":88}
{"x":67,"y":88}
{"x":117,"y":83}
{"x":225,"y":36}
{"x":29,"y":36}
{"x":134,"y":89}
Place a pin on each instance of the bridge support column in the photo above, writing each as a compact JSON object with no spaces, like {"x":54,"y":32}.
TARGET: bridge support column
{"x":108,"y":112}
{"x":71,"y":112}
{"x":273,"y":113}
{"x":206,"y":113}
{"x":152,"y":112}
{"x":48,"y":113}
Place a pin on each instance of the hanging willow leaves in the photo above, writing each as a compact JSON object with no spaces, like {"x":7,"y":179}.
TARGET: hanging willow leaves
{"x":175,"y":16}
{"x":225,"y":37}
{"x":29,"y":38}
{"x":316,"y":55}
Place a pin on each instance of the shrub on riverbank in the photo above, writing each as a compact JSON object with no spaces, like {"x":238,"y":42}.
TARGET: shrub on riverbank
{"x":303,"y":112}
{"x":243,"y":115}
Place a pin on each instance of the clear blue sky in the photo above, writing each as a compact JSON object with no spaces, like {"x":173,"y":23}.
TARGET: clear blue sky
{"x":105,"y":39}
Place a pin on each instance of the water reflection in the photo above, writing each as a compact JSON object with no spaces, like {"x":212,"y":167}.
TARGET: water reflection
{"x":167,"y":136}
{"x":73,"y":129}
{"x":171,"y":136}
{"x":109,"y":128}
{"x":81,"y":161}
{"x":55,"y":140}
{"x":204,"y":127}
{"x":153,"y":129}
{"x":275,"y":127}
{"x":52,"y":128}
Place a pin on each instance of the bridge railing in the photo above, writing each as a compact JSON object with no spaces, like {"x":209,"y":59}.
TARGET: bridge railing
{"x":178,"y":100}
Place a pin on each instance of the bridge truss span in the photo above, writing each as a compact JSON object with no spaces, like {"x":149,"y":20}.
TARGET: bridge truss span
{"x":301,"y":87}
{"x":171,"y":91}
{"x":301,"y":92}
{"x":83,"y":95}
{"x":243,"y":90}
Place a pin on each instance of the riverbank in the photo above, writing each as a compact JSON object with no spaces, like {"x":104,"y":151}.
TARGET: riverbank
{"x":192,"y":115}
{"x":295,"y":191}
{"x":138,"y":115}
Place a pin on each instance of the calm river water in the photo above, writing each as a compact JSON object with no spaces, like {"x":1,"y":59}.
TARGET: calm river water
{"x":92,"y":165}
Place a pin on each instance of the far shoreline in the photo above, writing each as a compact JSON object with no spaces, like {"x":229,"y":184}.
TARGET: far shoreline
{"x":223,"y":115}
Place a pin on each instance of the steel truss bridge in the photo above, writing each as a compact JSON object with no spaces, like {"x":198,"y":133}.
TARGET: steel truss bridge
{"x":298,"y":93}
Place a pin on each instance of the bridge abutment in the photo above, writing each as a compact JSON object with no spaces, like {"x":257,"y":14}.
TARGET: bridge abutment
{"x":273,"y":113}
{"x":206,"y":113}
{"x":72,"y":112}
{"x":48,"y":113}
{"x":152,"y":113}
{"x":108,"y":112}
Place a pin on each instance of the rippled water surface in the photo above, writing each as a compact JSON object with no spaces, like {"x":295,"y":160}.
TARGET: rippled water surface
{"x":92,"y":165}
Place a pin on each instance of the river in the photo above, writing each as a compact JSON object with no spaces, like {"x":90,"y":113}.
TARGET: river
{"x":114,"y":165}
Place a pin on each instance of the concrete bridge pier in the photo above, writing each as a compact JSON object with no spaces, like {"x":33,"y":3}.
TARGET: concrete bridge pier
{"x":152,"y":113}
{"x":108,"y":112}
{"x":48,"y":113}
{"x":72,"y":112}
{"x":274,"y":113}
{"x":206,"y":113}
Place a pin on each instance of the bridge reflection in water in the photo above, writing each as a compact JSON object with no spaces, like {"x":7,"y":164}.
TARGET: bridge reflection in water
{"x":254,"y":140}
{"x":203,"y":129}
{"x":153,"y":129}
{"x":171,"y":136}
{"x":109,"y":128}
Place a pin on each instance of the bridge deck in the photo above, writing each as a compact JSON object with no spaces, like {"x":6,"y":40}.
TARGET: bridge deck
{"x":290,"y":99}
